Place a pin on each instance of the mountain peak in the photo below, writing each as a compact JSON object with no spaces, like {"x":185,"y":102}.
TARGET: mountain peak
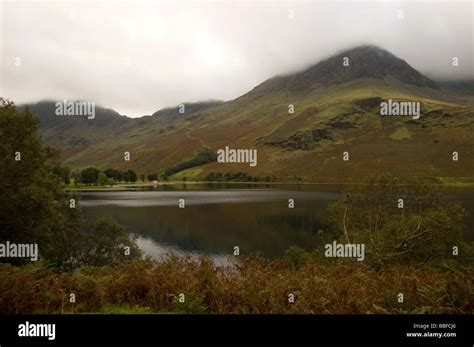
{"x":366,"y":61}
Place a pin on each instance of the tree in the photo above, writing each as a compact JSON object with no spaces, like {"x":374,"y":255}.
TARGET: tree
{"x":110,"y":182}
{"x":90,"y":175}
{"x":132,"y":176}
{"x":118,"y":176}
{"x":110,"y":173}
{"x":102,"y":180}
{"x":125,"y":176}
{"x":152,"y":177}
{"x":63,"y":172}
{"x":76,"y":176}
{"x":66,"y":174}
{"x":33,"y":208}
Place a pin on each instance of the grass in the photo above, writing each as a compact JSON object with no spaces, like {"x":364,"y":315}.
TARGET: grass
{"x":401,"y":133}
{"x":190,"y":173}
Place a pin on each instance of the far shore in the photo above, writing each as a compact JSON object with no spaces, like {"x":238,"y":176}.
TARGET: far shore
{"x":128,"y":186}
{"x":131,"y":186}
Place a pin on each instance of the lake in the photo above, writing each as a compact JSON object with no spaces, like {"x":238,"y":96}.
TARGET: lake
{"x":218,"y":217}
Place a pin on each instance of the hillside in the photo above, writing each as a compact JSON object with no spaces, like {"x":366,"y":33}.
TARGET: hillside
{"x":336,"y":109}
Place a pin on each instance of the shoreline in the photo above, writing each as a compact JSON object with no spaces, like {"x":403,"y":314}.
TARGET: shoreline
{"x":130,"y":187}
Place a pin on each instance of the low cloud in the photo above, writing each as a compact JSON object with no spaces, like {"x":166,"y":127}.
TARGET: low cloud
{"x":137,"y":57}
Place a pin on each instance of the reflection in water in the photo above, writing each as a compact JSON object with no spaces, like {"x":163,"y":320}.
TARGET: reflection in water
{"x":214,"y":221}
{"x":155,"y":250}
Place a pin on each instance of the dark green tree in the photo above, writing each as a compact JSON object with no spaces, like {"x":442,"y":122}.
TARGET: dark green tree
{"x":90,"y":175}
{"x":110,"y":173}
{"x":125,"y":176}
{"x":132,"y":176}
{"x":152,"y":177}
{"x":63,"y":172}
{"x":33,"y":208}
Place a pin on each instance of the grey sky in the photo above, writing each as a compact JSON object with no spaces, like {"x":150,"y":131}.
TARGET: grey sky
{"x":139,"y":56}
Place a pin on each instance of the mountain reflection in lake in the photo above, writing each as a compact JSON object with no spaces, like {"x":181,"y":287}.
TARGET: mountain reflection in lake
{"x":213,"y":222}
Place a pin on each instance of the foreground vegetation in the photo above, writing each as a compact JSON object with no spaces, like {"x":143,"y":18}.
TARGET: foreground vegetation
{"x":255,"y":285}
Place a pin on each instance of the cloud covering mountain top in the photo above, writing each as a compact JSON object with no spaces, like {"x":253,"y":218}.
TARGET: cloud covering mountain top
{"x":140,"y":56}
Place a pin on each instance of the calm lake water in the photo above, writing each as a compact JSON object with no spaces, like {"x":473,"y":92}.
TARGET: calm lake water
{"x":218,"y":217}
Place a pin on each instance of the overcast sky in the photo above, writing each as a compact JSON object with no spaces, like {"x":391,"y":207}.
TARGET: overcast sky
{"x":137,"y":57}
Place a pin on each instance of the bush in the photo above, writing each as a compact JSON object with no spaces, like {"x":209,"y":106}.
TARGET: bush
{"x":108,"y":243}
{"x":424,"y":229}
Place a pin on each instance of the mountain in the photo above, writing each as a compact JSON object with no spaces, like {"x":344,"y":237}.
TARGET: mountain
{"x":49,"y":119}
{"x":65,"y":131}
{"x":336,"y":109}
{"x":362,"y":62}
